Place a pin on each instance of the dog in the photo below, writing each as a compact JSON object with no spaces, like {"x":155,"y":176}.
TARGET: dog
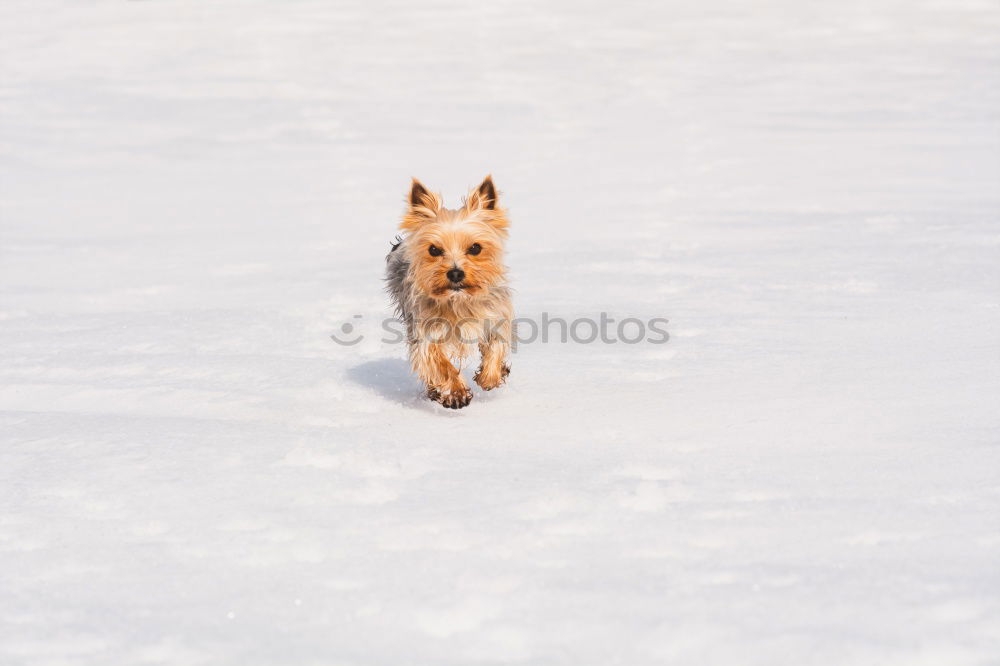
{"x":446,"y":278}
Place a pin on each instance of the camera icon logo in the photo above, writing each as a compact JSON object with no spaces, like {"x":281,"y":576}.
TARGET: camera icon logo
{"x":348,"y":335}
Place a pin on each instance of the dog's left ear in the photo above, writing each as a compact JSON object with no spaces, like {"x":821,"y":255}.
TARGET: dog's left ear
{"x":484,"y":196}
{"x":482,"y":203}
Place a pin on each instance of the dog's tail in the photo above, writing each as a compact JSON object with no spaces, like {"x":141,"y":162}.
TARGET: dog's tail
{"x":396,"y":242}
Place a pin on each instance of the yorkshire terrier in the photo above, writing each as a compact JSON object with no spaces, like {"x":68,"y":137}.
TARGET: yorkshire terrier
{"x":447,"y":280}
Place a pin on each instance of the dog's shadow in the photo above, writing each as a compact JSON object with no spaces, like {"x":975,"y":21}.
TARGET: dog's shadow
{"x":389,"y":377}
{"x":392,"y":379}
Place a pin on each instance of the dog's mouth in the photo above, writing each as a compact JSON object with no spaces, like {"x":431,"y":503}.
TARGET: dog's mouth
{"x":454,"y":288}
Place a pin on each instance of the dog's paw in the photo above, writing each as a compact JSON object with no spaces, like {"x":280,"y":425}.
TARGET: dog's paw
{"x":491,"y":380}
{"x":454,"y":398}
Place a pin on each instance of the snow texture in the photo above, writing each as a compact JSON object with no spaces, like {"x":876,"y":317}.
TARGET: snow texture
{"x":197,"y":194}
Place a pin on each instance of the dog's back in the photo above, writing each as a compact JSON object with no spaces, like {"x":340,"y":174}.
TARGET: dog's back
{"x":397,"y":266}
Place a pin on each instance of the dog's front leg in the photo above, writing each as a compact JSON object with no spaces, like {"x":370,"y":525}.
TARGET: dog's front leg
{"x":444,"y":383}
{"x":495,"y":349}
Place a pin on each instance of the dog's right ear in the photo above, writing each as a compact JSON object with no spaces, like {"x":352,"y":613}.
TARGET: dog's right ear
{"x":417,"y":193}
{"x":422,"y":206}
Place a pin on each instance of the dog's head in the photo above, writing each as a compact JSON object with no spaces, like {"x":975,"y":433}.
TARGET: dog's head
{"x":455,"y":253}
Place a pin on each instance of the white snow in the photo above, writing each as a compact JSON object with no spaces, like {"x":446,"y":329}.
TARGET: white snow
{"x":195,"y":195}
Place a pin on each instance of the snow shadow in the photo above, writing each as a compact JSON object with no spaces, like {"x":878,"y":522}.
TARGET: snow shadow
{"x":392,"y":379}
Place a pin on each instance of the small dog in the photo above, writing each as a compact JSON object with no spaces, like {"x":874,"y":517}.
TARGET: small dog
{"x":449,"y":285}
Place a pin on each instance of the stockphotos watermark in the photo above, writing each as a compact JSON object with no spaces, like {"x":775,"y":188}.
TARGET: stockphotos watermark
{"x":546,"y":329}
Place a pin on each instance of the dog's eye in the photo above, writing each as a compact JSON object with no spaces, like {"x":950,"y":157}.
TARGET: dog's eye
{"x":475,"y":249}
{"x":435,"y":251}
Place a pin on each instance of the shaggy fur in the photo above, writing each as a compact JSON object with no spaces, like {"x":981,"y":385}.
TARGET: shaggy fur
{"x":446,"y":320}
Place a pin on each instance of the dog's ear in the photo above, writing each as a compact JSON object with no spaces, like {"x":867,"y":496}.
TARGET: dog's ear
{"x":483,"y":197}
{"x":482,"y":203}
{"x":422,"y":206}
{"x":417,"y":193}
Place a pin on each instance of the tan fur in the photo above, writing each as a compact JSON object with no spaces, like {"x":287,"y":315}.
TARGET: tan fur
{"x":445,"y":324}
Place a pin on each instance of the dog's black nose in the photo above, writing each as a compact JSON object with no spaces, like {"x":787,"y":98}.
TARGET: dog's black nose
{"x":456,"y":275}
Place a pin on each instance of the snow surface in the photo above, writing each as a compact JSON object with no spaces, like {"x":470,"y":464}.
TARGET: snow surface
{"x":195,"y":195}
